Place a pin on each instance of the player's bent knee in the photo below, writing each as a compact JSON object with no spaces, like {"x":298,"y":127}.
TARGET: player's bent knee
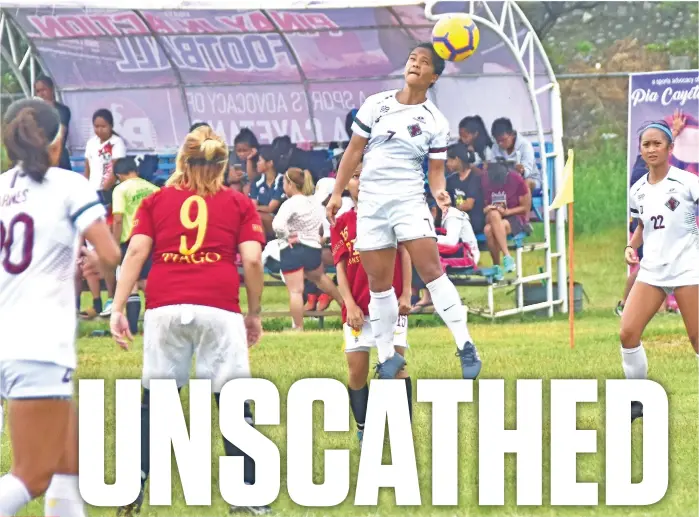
{"x":629,"y":337}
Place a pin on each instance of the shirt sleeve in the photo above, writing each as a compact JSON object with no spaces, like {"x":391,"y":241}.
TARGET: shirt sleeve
{"x":337,"y":242}
{"x":633,"y":208}
{"x":250,"y":224}
{"x":118,"y":200}
{"x":439,"y":141}
{"x":522,"y":188}
{"x":253,"y":191}
{"x":364,"y":120}
{"x":474,"y":190}
{"x":527,"y":160}
{"x":84,"y":207}
{"x":143,"y":221}
{"x":281,"y":219}
{"x":119,"y":149}
{"x":694,"y":188}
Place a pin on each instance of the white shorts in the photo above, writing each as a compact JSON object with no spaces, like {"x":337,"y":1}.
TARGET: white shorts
{"x":173,"y":334}
{"x":35,"y":380}
{"x":666,"y":280}
{"x":383,"y":222}
{"x":363,"y":341}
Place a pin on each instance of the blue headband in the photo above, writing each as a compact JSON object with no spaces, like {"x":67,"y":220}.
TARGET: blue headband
{"x":662,"y":128}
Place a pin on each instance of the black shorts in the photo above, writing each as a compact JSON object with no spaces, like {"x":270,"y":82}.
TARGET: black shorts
{"x":300,"y":257}
{"x":146,"y":266}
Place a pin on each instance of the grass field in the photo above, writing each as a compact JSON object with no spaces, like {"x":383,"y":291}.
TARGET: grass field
{"x":517,"y":348}
{"x":513,"y":349}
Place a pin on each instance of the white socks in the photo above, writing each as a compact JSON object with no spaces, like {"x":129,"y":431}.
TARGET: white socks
{"x":383,"y":315}
{"x":13,"y":495}
{"x":63,"y":497}
{"x":447,"y":301}
{"x":634,"y":362}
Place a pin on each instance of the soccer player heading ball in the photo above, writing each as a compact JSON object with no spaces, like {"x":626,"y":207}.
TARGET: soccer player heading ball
{"x":664,"y":201}
{"x":398,"y":128}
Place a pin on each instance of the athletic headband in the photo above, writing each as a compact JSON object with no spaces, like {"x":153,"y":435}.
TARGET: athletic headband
{"x":292,"y":181}
{"x":655,"y":125}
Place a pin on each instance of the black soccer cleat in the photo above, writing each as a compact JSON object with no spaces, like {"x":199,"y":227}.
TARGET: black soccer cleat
{"x":250,"y":510}
{"x":636,"y":410}
{"x":133,"y":508}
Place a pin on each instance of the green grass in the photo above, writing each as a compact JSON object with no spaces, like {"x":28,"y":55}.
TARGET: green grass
{"x":518,"y":348}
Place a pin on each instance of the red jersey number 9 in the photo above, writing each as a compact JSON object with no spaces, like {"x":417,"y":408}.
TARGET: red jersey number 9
{"x":198,"y":223}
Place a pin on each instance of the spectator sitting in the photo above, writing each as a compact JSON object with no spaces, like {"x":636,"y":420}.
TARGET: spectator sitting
{"x":473,"y":133}
{"x":298,"y":223}
{"x":245,"y":146}
{"x":507,"y":203}
{"x":464,"y":185}
{"x":267,"y":193}
{"x":44,"y":88}
{"x":513,"y":147}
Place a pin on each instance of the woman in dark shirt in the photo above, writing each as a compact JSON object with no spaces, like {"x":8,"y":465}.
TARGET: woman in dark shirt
{"x":44,"y":88}
{"x":464,"y":185}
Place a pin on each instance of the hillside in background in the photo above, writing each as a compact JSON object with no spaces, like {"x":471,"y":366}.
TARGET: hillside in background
{"x":609,"y":37}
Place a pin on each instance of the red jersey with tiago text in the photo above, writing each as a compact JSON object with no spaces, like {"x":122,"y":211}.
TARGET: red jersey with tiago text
{"x":342,"y":237}
{"x":195,"y":243}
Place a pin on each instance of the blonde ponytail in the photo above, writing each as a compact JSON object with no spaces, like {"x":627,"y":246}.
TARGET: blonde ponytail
{"x":201,"y":162}
{"x":301,"y":179}
{"x":308,"y":186}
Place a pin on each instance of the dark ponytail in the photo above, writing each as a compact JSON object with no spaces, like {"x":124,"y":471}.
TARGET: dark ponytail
{"x":31,"y":126}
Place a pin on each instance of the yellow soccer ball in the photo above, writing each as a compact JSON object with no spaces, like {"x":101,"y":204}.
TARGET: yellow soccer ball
{"x":455,"y":37}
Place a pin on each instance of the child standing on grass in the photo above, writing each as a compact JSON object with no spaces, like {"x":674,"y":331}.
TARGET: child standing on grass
{"x":126,"y":199}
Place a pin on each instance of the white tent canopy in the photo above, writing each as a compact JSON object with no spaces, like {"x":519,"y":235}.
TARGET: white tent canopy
{"x":279,"y":67}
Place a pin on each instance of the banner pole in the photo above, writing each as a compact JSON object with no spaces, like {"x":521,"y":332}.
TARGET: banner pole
{"x":571,"y":278}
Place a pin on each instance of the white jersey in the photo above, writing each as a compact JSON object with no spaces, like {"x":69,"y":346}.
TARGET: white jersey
{"x":670,"y":233}
{"x":40,"y":225}
{"x":400,"y":136}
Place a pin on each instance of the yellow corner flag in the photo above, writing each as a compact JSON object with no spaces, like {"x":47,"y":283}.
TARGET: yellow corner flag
{"x":565,"y":195}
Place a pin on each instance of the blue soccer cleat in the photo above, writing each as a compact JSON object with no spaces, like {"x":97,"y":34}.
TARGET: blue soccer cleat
{"x":360,"y":437}
{"x":470,"y":361}
{"x":390,"y":367}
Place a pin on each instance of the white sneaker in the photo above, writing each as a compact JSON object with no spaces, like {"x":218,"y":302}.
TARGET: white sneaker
{"x":107,"y":312}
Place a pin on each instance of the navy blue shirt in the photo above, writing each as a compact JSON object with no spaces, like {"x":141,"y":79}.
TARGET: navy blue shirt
{"x":264,"y":194}
{"x":64,"y":114}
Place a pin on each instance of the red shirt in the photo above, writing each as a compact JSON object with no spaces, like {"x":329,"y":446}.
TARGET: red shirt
{"x":342,"y":237}
{"x":195,"y":243}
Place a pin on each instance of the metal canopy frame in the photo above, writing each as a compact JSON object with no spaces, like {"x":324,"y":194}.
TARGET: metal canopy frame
{"x":524,"y":50}
{"x":508,"y":26}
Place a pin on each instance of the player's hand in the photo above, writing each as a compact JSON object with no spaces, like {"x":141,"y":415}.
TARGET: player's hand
{"x":119,"y":326}
{"x":355,"y":317}
{"x":631,"y":256}
{"x":443,"y":199}
{"x":293,"y":239}
{"x":253,"y":327}
{"x":332,"y":208}
{"x":500,"y":209}
{"x":519,"y":168}
{"x":404,"y":304}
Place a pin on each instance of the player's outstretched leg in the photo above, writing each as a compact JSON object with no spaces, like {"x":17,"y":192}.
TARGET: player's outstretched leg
{"x":248,"y":464}
{"x":447,"y":302}
{"x":642,"y":304}
{"x":135,"y":507}
{"x":383,"y":314}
